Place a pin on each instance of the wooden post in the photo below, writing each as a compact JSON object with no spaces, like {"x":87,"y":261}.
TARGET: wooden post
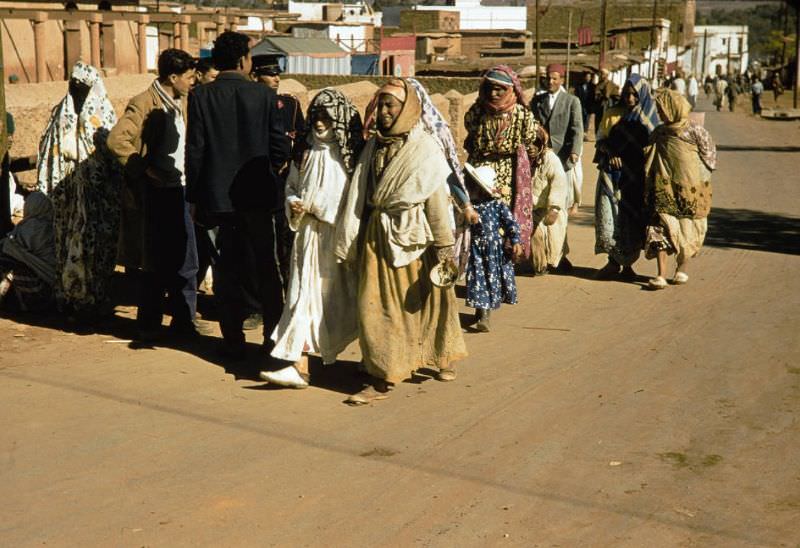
{"x":603,"y":14}
{"x":39,"y":41}
{"x":177,"y":39}
{"x":109,"y":44}
{"x":185,"y":20}
{"x":569,"y":46}
{"x":538,"y":47}
{"x":142,"y":37}
{"x":94,"y":39}
{"x":3,"y":129}
{"x":653,"y":42}
{"x":797,"y":56}
{"x":705,"y":46}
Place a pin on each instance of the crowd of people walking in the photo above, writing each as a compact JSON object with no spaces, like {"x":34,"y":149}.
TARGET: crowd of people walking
{"x":333,"y":226}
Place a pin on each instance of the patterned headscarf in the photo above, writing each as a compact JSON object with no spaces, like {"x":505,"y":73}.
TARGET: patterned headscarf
{"x":505,"y":76}
{"x":436,"y":125}
{"x":345,"y":123}
{"x":70,"y":136}
{"x":675,"y":110}
{"x":645,"y":110}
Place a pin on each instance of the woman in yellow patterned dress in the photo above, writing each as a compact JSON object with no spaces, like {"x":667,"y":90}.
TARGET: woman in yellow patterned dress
{"x":501,"y":133}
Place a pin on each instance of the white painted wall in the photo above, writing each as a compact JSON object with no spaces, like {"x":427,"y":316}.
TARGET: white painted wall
{"x":351,"y":13}
{"x":719,"y":37}
{"x":474,"y":16}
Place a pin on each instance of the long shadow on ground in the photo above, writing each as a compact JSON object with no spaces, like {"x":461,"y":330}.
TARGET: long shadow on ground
{"x":753,"y":230}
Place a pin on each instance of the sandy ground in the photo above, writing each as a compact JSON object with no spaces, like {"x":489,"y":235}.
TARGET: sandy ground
{"x":596,"y":413}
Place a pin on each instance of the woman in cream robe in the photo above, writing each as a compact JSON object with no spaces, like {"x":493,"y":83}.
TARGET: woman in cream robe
{"x":396,"y":228}
{"x":319,"y":314}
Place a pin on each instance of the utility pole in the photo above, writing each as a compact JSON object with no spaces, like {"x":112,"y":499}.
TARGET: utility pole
{"x":603,"y":13}
{"x":3,"y":128}
{"x":569,"y":44}
{"x":730,"y":39}
{"x":796,"y":53}
{"x":653,"y":58}
{"x":705,"y":47}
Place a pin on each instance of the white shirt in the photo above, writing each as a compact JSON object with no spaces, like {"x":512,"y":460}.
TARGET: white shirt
{"x":551,"y":97}
{"x":693,"y":88}
{"x":679,"y":85}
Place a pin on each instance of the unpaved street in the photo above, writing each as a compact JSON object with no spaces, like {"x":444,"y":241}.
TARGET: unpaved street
{"x":595,"y":413}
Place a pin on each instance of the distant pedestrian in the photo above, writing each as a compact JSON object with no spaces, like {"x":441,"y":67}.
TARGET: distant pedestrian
{"x":777,"y":86}
{"x":679,"y":84}
{"x":677,"y":187}
{"x":720,"y":91}
{"x":732,"y":93}
{"x":606,"y":95}
{"x":692,"y":90}
{"x":206,"y":71}
{"x":756,"y":90}
{"x":585,"y":93}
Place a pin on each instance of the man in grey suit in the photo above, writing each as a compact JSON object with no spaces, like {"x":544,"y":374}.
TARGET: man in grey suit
{"x":560,"y":113}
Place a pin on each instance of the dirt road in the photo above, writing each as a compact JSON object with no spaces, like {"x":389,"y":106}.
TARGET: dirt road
{"x":596,"y":413}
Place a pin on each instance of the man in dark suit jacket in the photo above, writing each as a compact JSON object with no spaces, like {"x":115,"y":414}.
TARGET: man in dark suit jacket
{"x":560,"y":114}
{"x":585,"y":94}
{"x":234,"y":149}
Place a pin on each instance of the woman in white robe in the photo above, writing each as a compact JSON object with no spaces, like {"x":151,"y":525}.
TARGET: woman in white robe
{"x":319,"y":314}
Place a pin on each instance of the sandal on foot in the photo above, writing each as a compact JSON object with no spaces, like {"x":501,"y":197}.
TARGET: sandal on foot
{"x":680,"y":278}
{"x":368,"y":395}
{"x":446,"y":375}
{"x":657,"y":283}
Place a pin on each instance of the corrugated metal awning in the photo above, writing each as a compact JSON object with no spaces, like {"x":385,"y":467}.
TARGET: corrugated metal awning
{"x":287,"y":45}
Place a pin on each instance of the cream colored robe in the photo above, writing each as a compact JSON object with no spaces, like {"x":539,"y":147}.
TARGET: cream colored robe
{"x":550,"y":188}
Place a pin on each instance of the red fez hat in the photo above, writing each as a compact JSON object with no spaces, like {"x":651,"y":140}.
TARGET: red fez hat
{"x":555,"y":67}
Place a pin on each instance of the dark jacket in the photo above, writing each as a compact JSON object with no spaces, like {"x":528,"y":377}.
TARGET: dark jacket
{"x":564,"y":124}
{"x":585,"y":94}
{"x":234,"y":147}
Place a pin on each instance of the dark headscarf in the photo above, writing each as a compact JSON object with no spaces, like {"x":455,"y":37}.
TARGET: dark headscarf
{"x":345,"y":123}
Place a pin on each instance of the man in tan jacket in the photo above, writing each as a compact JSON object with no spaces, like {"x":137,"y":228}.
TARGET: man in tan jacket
{"x":157,"y":234}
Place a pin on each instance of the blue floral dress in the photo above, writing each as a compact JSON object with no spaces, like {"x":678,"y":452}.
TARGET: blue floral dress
{"x":490,"y":272}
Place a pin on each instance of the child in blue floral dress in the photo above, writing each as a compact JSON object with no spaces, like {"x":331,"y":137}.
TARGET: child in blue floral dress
{"x":490,"y":271}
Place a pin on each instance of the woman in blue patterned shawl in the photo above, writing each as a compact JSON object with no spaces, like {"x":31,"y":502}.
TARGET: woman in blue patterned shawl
{"x":619,"y":201}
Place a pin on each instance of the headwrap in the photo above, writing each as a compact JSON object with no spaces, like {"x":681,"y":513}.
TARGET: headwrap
{"x":645,"y":110}
{"x":437,"y":126}
{"x":345,"y":123}
{"x":410,"y":114}
{"x":504,"y":76}
{"x":70,"y":136}
{"x":675,"y":109}
{"x":543,"y":140}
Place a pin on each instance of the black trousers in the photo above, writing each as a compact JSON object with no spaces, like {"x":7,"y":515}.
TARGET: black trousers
{"x":246,"y":273}
{"x":171,"y":245}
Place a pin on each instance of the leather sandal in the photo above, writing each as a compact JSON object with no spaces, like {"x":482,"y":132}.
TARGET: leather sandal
{"x":367,"y":395}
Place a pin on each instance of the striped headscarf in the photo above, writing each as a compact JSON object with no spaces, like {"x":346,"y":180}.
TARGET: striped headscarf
{"x":645,"y":110}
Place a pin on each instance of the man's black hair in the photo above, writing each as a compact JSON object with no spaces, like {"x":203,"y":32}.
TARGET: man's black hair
{"x":229,"y":47}
{"x":174,"y":61}
{"x":204,"y":65}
